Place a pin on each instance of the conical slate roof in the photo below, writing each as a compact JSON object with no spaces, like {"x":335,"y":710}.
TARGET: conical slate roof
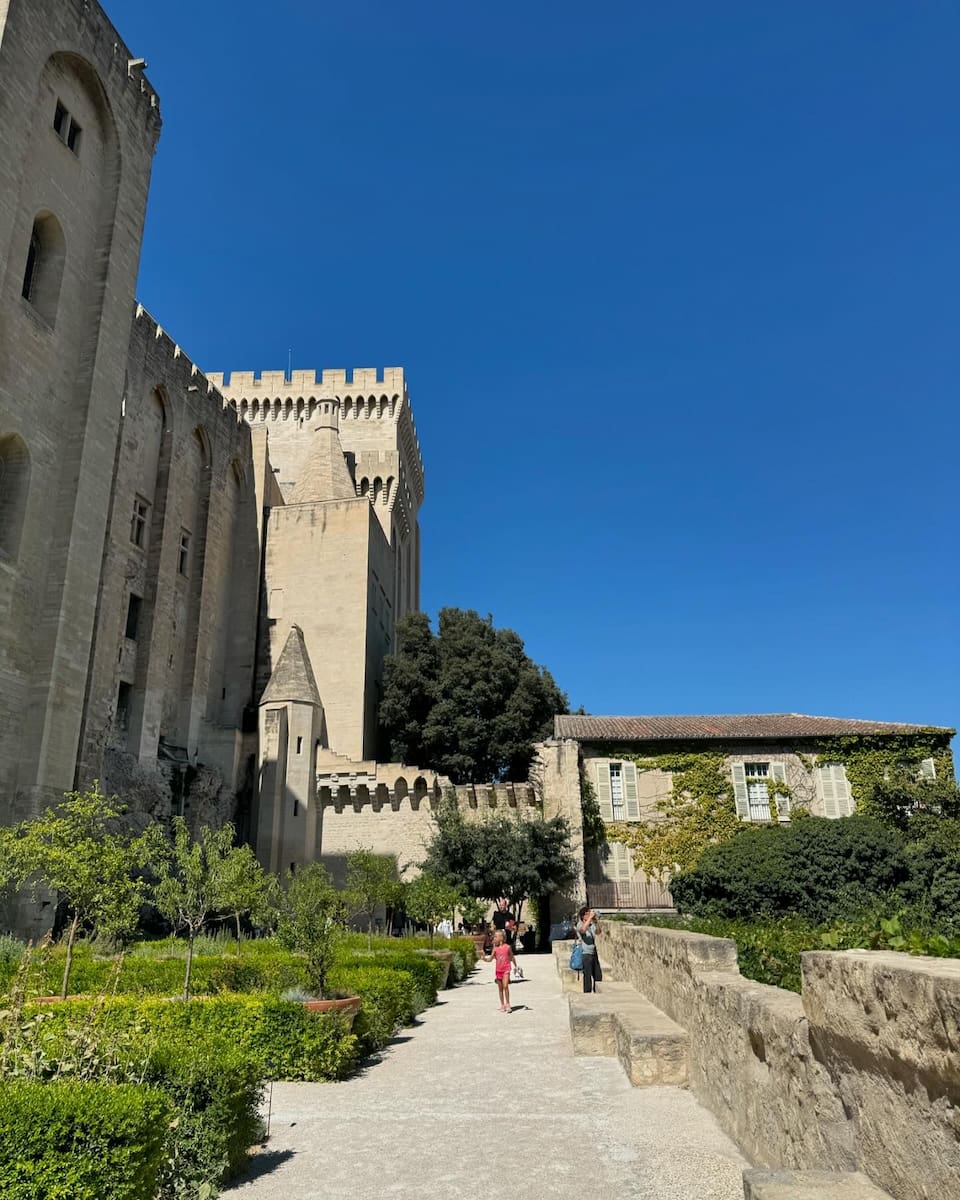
{"x":292,"y":678}
{"x":325,"y":475}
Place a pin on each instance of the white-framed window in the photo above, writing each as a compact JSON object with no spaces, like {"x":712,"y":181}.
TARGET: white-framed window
{"x":617,"y":793}
{"x":833,"y":790}
{"x":138,"y":521}
{"x":751,"y":791}
{"x":928,"y":769}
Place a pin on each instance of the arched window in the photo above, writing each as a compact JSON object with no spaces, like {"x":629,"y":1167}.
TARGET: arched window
{"x":377,"y":489}
{"x":43,"y":271}
{"x":14,"y":488}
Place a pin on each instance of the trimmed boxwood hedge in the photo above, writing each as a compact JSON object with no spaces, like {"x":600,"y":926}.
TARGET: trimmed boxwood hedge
{"x":427,"y":972}
{"x":279,"y":1038}
{"x":81,"y":1141}
{"x":389,"y":1001}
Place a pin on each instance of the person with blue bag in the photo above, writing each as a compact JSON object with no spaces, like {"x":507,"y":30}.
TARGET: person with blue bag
{"x":587,"y":931}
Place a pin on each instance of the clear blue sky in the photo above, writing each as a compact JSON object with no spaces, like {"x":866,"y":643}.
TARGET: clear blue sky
{"x":676,"y":289}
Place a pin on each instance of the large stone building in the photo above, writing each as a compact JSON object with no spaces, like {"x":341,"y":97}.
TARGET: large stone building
{"x":201,"y":575}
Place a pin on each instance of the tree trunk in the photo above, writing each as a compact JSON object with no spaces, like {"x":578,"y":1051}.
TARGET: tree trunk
{"x":370,"y":931}
{"x":431,"y":928}
{"x":519,"y":911}
{"x":237,"y":916}
{"x":67,"y":966}
{"x":186,"y":978}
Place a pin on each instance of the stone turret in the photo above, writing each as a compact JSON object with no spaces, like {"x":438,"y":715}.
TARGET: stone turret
{"x":291,"y":728}
{"x":325,"y":475}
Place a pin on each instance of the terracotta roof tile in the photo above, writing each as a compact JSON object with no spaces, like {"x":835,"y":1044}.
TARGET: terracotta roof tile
{"x":751,"y":725}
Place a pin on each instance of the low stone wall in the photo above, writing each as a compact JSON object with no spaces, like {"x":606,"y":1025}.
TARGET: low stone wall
{"x":861,"y":1072}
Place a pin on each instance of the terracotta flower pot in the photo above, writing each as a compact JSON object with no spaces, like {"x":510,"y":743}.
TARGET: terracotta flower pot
{"x":349,"y":1006}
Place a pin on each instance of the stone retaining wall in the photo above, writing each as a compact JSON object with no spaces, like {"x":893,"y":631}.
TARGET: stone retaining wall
{"x":861,"y":1072}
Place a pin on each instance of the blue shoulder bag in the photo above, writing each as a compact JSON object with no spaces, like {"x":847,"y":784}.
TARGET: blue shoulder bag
{"x":576,"y":958}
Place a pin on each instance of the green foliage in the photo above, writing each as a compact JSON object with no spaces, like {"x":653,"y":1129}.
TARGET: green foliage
{"x":279,"y":1038}
{"x":769,"y":951}
{"x":428,"y":899}
{"x":594,"y":830}
{"x":817,"y":869}
{"x":309,"y":920}
{"x":900,"y":797}
{"x":933,"y":857}
{"x":501,"y":856}
{"x":245,"y":889}
{"x":190,"y":879}
{"x":467,"y":702}
{"x":872,"y":761}
{"x":426,"y":972}
{"x":80,"y":1141}
{"x":699,"y":812}
{"x":371,"y":880}
{"x":77,"y":849}
{"x":389,"y":1000}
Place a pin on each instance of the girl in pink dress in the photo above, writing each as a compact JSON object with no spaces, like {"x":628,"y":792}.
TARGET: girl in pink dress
{"x":502,"y":955}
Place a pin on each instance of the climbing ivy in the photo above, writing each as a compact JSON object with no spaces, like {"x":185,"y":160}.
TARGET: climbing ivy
{"x":869,"y":761}
{"x":699,"y":811}
{"x":594,"y":830}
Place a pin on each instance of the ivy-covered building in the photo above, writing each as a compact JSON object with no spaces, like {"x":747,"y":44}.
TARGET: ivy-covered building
{"x":697,"y":772}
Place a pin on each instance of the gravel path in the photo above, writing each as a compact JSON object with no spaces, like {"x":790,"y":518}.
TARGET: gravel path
{"x":474,"y":1101}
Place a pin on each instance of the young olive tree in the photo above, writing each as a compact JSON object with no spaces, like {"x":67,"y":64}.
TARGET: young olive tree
{"x":191,"y":880}
{"x":428,"y":899}
{"x":245,"y":888}
{"x":80,"y":850}
{"x":371,"y":880}
{"x":310,"y":921}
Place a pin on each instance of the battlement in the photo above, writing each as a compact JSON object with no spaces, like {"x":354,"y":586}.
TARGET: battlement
{"x":245,"y":384}
{"x":180,"y":371}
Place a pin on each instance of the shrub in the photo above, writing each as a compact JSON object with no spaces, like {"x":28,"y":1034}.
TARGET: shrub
{"x":278,"y":1038}
{"x":816,"y":869}
{"x":933,"y":856}
{"x":389,"y":1001}
{"x":80,"y":1141}
{"x":427,"y":972}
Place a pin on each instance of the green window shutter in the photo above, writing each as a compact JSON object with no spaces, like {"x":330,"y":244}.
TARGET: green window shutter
{"x":740,"y":797}
{"x":630,"y":791}
{"x":778,"y":773}
{"x":603,"y":791}
{"x":928,"y":769}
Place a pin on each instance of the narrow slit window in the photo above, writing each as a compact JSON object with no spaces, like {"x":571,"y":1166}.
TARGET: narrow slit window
{"x":183,"y":562}
{"x":296,"y":807}
{"x":60,"y":119}
{"x":74,"y":134}
{"x":123,"y":706}
{"x":138,"y":522}
{"x":299,"y":745}
{"x":133,"y":616}
{"x":30,"y":271}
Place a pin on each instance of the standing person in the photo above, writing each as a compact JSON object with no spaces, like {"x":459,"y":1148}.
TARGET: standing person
{"x":587,"y":930}
{"x":503,"y":918}
{"x":502,"y":955}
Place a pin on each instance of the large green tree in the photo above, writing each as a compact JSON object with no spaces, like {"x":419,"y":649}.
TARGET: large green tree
{"x":501,"y":856}
{"x":467,"y":701}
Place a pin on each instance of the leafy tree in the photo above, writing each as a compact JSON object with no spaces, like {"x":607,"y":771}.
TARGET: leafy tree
{"x":815,"y":868}
{"x":699,"y":812}
{"x":244,"y":888}
{"x":428,"y":899}
{"x":310,"y":921}
{"x":501,"y":856}
{"x":896,"y":800}
{"x":191,"y":875}
{"x":467,"y":702}
{"x":79,"y":849}
{"x":371,"y":880}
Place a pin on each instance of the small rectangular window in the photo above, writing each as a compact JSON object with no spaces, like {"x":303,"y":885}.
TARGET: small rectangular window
{"x":184,"y":559}
{"x":138,"y":522}
{"x":123,"y":705}
{"x":296,"y":807}
{"x":60,"y":119}
{"x":133,"y":616}
{"x":74,"y":134}
{"x":30,"y":271}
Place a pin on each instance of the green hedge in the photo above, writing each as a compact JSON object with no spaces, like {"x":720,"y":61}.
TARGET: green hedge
{"x":427,"y":972}
{"x":389,"y":1001}
{"x":280,"y":1039}
{"x":81,"y":1141}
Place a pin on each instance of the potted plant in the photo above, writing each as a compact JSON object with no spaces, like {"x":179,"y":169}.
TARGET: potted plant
{"x":310,"y":922}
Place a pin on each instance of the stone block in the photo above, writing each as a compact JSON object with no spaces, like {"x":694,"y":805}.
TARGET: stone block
{"x":618,"y":1022}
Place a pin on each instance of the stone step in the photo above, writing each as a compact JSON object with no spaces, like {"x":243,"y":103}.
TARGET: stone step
{"x":617,"y":1022}
{"x":759,"y":1184}
{"x":571,"y":981}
